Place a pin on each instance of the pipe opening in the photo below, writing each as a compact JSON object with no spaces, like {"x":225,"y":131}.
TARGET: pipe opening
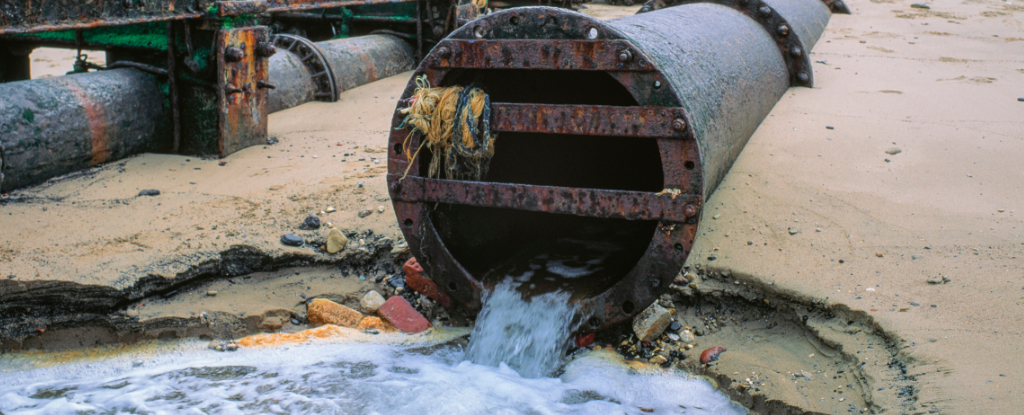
{"x":582,"y":255}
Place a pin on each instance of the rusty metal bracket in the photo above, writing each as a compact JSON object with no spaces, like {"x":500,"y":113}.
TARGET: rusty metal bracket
{"x":601,"y":203}
{"x":550,"y":54}
{"x":599,"y":120}
{"x":313,"y":58}
{"x":236,"y":7}
{"x":242,"y":79}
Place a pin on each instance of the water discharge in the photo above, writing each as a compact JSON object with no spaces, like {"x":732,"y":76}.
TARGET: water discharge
{"x":530,"y":336}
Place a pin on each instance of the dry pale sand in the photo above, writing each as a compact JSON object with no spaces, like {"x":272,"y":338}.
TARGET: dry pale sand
{"x":816,"y":214}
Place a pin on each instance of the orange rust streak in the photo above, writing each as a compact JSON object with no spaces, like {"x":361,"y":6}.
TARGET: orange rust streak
{"x":98,"y":124}
{"x":278,"y":339}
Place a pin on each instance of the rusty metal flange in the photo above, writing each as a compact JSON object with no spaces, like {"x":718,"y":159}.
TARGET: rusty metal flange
{"x":320,"y":71}
{"x":547,"y":39}
{"x":792,"y":48}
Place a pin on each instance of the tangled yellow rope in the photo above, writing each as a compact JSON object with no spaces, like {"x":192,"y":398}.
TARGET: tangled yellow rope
{"x":435,"y":113}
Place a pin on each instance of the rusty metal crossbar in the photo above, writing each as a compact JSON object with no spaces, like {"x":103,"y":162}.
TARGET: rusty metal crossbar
{"x":598,"y":120}
{"x":599,"y":203}
{"x":550,"y":54}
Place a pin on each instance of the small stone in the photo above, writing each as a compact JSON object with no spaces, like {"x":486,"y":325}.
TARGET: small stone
{"x":360,"y":185}
{"x":291,"y":239}
{"x":12,"y":276}
{"x":829,"y":127}
{"x":879,"y":254}
{"x":653,"y":321}
{"x":935,"y":280}
{"x":793,"y":231}
{"x":364,"y":213}
{"x":657,"y":360}
{"x":132,"y":313}
{"x":330,"y":209}
{"x":380,"y":209}
{"x":933,"y":340}
{"x":336,"y":241}
{"x":711,"y":354}
{"x":806,"y":374}
{"x":323,"y":311}
{"x":920,"y":6}
{"x":893,"y":151}
{"x":270,"y":324}
{"x":149,"y":192}
{"x":231,"y":347}
{"x":674,"y":326}
{"x":370,"y":323}
{"x":416,"y":279}
{"x":686,"y":336}
{"x":1020,"y":99}
{"x":311,"y":223}
{"x":584,"y":340}
{"x":222,"y":163}
{"x":946,"y":279}
{"x":370,"y":302}
{"x":817,"y":229}
{"x":915,"y":257}
{"x":691,"y":277}
{"x":715,"y":217}
{"x":674,"y":337}
{"x":397,"y":311}
{"x":887,"y":160}
{"x":212,"y":293}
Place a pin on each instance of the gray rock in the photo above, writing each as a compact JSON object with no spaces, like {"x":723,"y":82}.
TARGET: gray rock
{"x":291,"y":239}
{"x":370,"y":302}
{"x":311,"y":222}
{"x":365,"y":212}
{"x":653,"y":321}
{"x":893,"y":151}
{"x":149,"y":192}
{"x":793,"y":231}
{"x":920,"y":6}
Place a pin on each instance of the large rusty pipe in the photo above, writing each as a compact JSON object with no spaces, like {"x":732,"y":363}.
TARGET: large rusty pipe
{"x":55,"y":126}
{"x":612,"y":134}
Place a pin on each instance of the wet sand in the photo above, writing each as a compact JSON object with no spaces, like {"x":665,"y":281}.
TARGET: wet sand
{"x":809,"y":217}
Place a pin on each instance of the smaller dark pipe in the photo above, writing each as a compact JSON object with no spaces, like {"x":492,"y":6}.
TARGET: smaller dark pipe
{"x":378,"y":19}
{"x":419,"y":31}
{"x":310,"y":16}
{"x":172,"y":84}
{"x":140,"y":66}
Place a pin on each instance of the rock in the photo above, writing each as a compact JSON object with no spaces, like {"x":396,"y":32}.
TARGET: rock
{"x":879,"y":254}
{"x":946,"y":279}
{"x":893,"y":151}
{"x":397,"y":311}
{"x":687,"y":337}
{"x":793,"y":231}
{"x":322,"y":311}
{"x":415,"y":279}
{"x":915,"y":257}
{"x":805,"y":374}
{"x":212,"y":293}
{"x":375,"y":323}
{"x":311,"y":223}
{"x":657,"y":360}
{"x":830,"y":127}
{"x":691,"y":277}
{"x":380,"y":209}
{"x":330,"y":209}
{"x":370,"y":302}
{"x":291,"y":239}
{"x":711,"y":354}
{"x":585,"y":340}
{"x":674,"y":326}
{"x":149,"y":192}
{"x":938,"y":279}
{"x":920,"y":6}
{"x":365,"y":212}
{"x":132,"y":313}
{"x":336,"y":241}
{"x":270,"y":324}
{"x":649,"y":324}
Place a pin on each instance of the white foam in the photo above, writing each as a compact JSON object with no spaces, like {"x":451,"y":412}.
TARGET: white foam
{"x":349,"y":379}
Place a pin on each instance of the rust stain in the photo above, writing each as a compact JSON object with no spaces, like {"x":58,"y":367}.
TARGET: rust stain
{"x":98,"y":124}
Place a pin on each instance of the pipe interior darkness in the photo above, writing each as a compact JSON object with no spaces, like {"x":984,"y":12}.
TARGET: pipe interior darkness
{"x":552,"y":250}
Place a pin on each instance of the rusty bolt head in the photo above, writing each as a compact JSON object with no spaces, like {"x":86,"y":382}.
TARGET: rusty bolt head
{"x":796,"y":51}
{"x":765,"y":11}
{"x":233,"y":54}
{"x":783,"y":30}
{"x":265,"y":49}
{"x":690,"y":211}
{"x":625,"y":56}
{"x":443,"y":52}
{"x":678,"y":124}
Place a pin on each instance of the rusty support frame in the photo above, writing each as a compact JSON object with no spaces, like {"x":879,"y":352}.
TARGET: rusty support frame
{"x":551,"y":54}
{"x":242,"y":83}
{"x":599,"y":120}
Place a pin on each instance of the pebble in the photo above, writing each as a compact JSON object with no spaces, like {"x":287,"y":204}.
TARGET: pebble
{"x":291,"y":239}
{"x":212,"y":293}
{"x":686,"y":336}
{"x":149,"y":192}
{"x":323,"y":311}
{"x":311,"y":222}
{"x":675,"y":326}
{"x":330,"y":209}
{"x":222,"y":163}
{"x":879,"y":254}
{"x":674,"y":337}
{"x":653,"y":321}
{"x":380,"y":209}
{"x":830,"y":127}
{"x":364,"y":213}
{"x":360,"y":185}
{"x":1020,"y":99}
{"x":336,"y":241}
{"x":711,"y":354}
{"x":397,"y":311}
{"x":370,"y":302}
{"x":938,"y":279}
{"x":793,"y":231}
{"x":691,"y":277}
{"x":657,"y":360}
{"x":271,"y":324}
{"x":920,"y":6}
{"x":893,"y":151}
{"x":132,"y":313}
{"x":12,"y":276}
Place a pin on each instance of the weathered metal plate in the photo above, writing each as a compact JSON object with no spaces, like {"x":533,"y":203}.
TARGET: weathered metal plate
{"x":599,"y":203}
{"x":29,"y":16}
{"x":599,"y":120}
{"x":235,"y":8}
{"x":551,"y":54}
{"x":283,"y":5}
{"x":242,"y":101}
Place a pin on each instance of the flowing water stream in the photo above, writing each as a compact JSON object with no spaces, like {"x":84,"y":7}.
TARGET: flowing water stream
{"x":514,"y":364}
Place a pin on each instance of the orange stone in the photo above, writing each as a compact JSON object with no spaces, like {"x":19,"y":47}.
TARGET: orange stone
{"x":278,"y":339}
{"x":371,"y":322}
{"x":322,"y":311}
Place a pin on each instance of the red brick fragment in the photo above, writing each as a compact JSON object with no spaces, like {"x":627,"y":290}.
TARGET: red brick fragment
{"x":397,"y":311}
{"x":585,"y":340}
{"x":415,"y":279}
